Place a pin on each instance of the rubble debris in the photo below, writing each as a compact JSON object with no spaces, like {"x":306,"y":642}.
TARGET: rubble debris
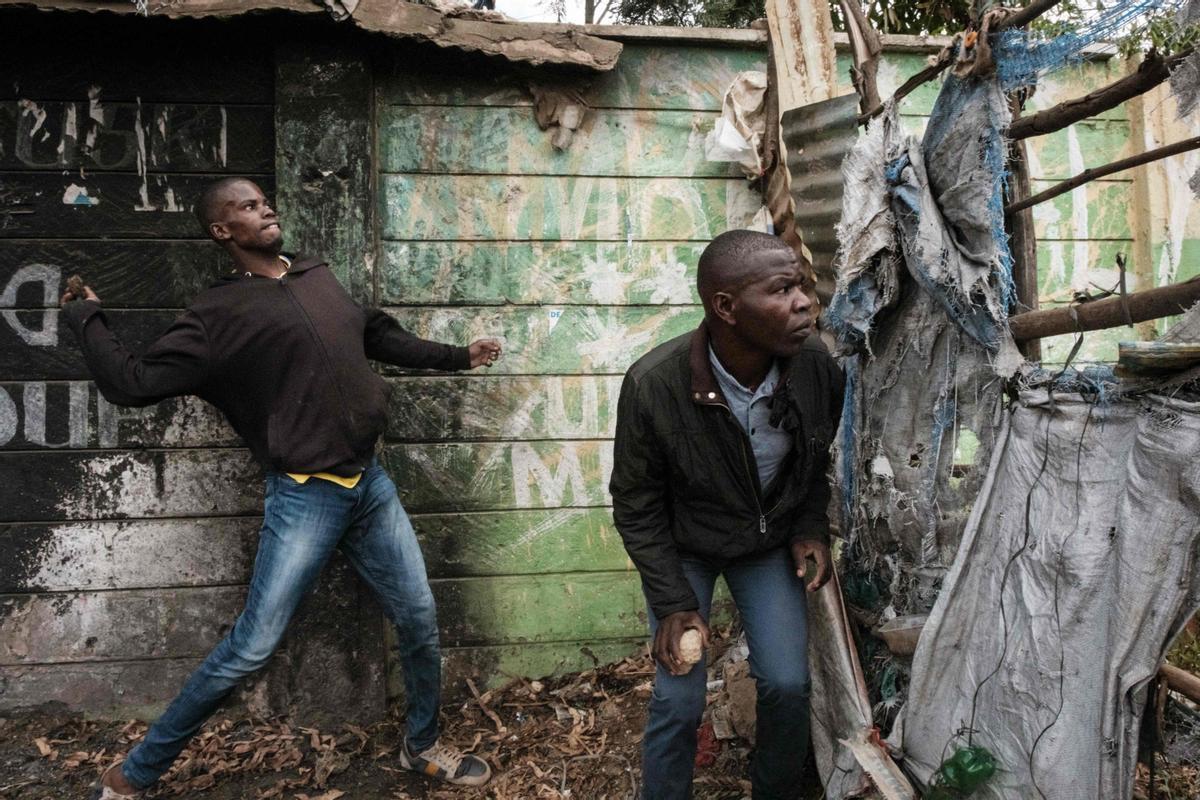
{"x":560,"y":110}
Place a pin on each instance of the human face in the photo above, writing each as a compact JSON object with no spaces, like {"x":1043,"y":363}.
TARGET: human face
{"x":247,"y":220}
{"x":771,"y":312}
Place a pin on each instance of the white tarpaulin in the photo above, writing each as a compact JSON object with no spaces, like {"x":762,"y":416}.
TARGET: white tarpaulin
{"x":1077,"y":566}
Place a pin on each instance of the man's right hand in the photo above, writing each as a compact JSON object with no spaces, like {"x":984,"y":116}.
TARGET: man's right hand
{"x":666,"y":639}
{"x":68,"y":296}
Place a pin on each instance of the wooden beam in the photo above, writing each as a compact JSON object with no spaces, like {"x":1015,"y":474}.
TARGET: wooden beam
{"x":1023,"y":243}
{"x":324,"y":151}
{"x":1164,"y":301}
{"x":323,"y":154}
{"x":1108,"y":169}
{"x":1182,"y":681}
{"x":1153,"y":71}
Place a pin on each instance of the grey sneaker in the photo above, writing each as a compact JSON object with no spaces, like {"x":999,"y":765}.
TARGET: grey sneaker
{"x":448,"y":764}
{"x":102,"y":791}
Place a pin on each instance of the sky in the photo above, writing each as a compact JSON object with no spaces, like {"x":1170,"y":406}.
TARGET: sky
{"x":539,"y":10}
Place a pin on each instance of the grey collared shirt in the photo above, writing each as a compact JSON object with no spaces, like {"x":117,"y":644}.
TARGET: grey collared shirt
{"x":752,"y":410}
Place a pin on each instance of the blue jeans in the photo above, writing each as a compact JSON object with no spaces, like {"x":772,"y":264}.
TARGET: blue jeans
{"x":771,"y":601}
{"x":302,"y":525}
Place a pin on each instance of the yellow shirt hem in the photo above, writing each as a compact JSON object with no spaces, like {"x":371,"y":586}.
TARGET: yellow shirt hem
{"x":346,"y":483}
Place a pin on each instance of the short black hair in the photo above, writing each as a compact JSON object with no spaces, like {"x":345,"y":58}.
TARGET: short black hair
{"x":724,"y":255}
{"x":208,"y":207}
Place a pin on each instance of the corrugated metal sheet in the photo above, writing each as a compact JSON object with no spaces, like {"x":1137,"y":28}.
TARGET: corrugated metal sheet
{"x":818,"y":138}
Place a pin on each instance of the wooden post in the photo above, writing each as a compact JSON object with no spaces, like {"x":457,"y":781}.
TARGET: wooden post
{"x":802,"y":48}
{"x":1139,"y":209}
{"x":332,"y":665}
{"x":1023,"y":244}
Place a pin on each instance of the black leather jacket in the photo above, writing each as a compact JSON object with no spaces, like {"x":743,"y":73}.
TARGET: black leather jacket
{"x":684,"y":477}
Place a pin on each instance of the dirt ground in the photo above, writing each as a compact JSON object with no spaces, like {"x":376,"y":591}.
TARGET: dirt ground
{"x":574,"y":737}
{"x":577,"y":736}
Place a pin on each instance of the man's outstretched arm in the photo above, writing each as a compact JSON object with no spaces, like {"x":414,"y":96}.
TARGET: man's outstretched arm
{"x":176,"y":364}
{"x":639,"y":492}
{"x":385,"y":340}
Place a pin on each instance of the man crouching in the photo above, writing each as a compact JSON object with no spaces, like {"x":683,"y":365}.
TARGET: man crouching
{"x":719,"y":469}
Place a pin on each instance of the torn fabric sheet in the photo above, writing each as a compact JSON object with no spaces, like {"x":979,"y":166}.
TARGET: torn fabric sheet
{"x":938,"y":204}
{"x":737,"y":135}
{"x":840,"y":706}
{"x":1077,"y":567}
{"x":867,"y":264}
{"x":947,"y":196}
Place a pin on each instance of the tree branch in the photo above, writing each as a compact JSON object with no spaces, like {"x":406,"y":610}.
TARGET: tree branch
{"x":945,"y":58}
{"x":1027,"y":14}
{"x":929,"y":73}
{"x":1099,"y":172}
{"x":866,"y":47}
{"x":1151,"y":72}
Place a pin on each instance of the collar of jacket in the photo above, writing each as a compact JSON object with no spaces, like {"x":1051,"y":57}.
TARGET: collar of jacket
{"x":299,"y":264}
{"x":706,"y":391}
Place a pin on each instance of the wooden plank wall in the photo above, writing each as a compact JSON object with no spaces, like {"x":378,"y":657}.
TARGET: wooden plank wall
{"x":580,"y":261}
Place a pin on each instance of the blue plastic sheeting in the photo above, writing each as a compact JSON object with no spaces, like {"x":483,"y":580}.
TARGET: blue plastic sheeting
{"x":1022,"y":57}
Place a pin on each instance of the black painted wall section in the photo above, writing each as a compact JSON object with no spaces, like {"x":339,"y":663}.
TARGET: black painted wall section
{"x":127,"y":536}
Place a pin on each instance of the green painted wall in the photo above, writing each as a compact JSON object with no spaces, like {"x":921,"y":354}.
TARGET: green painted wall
{"x":580,"y":261}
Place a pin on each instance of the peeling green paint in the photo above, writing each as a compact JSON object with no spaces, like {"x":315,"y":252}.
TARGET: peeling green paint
{"x":484,"y":207}
{"x":521,"y":542}
{"x":603,"y":273}
{"x":580,"y":261}
{"x":493,"y":476}
{"x":562,"y":340}
{"x":507,"y":141}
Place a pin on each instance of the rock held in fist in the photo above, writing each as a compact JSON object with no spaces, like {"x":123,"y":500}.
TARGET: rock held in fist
{"x":691,"y":646}
{"x":75,"y":287}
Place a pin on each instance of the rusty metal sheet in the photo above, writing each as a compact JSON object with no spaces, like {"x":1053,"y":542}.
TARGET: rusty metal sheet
{"x":818,"y":138}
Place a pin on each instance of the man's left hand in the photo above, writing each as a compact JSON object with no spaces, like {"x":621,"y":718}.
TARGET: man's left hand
{"x":484,"y":352}
{"x":803,"y":549}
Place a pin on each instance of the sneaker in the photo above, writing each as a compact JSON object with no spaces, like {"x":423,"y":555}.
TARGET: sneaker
{"x":448,"y":764}
{"x":102,"y":791}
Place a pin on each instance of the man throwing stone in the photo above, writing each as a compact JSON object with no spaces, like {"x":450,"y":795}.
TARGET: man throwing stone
{"x":281,"y":349}
{"x":719,"y":469}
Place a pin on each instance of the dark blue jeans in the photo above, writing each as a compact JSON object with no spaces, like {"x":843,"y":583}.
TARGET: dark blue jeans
{"x":302,"y":525}
{"x":770,"y":599}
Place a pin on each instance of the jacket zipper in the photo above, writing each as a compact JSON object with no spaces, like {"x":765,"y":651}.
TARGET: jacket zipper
{"x":762,"y":517}
{"x":312,"y":330}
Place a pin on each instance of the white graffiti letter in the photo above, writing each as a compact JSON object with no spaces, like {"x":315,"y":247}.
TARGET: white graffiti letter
{"x":47,"y":275}
{"x":109,"y":418}
{"x":8,"y":417}
{"x":35,"y":415}
{"x":530,"y":470}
